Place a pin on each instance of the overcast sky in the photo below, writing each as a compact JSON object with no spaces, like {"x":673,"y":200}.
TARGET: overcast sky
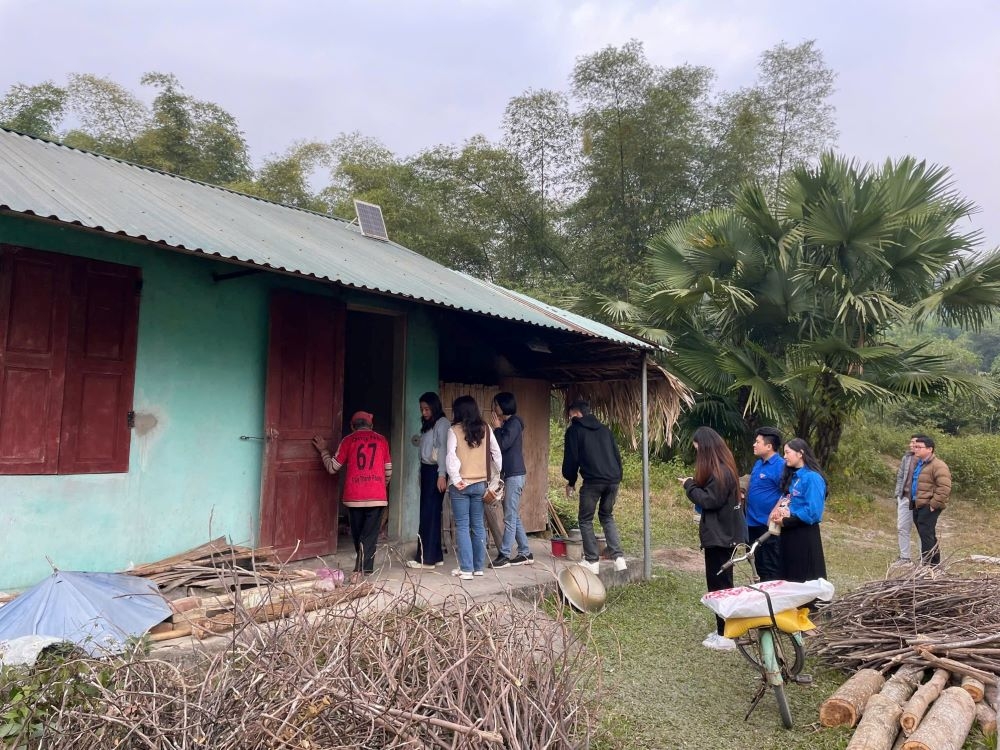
{"x":914,"y":77}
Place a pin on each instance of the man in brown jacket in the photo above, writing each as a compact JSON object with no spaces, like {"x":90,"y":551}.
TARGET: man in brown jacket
{"x":929,"y":491}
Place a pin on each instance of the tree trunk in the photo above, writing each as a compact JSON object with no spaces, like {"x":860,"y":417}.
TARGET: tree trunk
{"x":992,"y":696}
{"x":973,"y":687}
{"x":879,"y":726}
{"x":987,"y":719}
{"x":902,"y":684}
{"x":946,"y":725}
{"x":916,"y":707}
{"x":845,"y":706}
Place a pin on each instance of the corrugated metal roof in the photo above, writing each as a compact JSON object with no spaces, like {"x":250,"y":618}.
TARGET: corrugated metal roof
{"x":53,"y":181}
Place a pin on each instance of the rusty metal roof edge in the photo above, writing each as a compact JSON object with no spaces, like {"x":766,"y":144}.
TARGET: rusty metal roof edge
{"x":560,"y":319}
{"x":555,"y":325}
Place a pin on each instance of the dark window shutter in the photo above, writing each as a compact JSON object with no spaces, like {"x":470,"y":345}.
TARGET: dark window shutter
{"x":33,"y":308}
{"x":100,"y":368}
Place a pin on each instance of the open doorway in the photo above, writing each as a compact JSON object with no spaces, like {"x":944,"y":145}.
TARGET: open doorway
{"x":373,"y":383}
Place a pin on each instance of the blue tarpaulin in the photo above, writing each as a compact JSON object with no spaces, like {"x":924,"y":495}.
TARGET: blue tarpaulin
{"x":98,"y":612}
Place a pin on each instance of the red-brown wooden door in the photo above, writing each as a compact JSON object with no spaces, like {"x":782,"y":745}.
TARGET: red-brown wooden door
{"x":304,"y":398}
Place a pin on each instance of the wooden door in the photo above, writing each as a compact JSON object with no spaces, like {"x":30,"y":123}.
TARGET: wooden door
{"x":305,"y":381}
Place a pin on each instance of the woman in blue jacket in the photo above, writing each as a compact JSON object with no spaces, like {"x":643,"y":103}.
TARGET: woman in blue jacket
{"x":799,"y":513}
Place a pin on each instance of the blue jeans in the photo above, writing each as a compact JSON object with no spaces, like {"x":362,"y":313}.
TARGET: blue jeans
{"x":470,"y":533}
{"x":513,"y":528}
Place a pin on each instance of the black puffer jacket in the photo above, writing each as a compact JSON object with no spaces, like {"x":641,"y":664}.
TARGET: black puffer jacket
{"x":722,"y":521}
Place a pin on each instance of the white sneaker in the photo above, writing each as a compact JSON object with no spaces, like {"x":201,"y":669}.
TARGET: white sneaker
{"x":620,"y":564}
{"x":465,"y":576}
{"x":416,"y":564}
{"x":593,"y":567}
{"x":718,"y":642}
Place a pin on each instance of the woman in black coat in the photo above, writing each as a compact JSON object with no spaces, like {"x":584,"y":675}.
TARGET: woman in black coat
{"x":715,"y":487}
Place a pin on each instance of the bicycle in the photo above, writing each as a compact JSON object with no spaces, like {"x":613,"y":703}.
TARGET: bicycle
{"x":773,"y":643}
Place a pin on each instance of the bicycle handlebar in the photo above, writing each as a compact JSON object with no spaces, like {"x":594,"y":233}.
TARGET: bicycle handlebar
{"x":749,"y":553}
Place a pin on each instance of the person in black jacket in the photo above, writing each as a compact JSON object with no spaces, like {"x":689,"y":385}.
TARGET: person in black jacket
{"x":591,"y":452}
{"x":715,"y":487}
{"x":508,"y":429}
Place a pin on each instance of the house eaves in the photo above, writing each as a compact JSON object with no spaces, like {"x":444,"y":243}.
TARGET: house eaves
{"x":52,"y":181}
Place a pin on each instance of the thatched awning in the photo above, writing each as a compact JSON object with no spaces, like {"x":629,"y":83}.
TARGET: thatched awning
{"x":618,"y":402}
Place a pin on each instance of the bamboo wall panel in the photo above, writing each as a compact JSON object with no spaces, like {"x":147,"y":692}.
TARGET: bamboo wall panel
{"x":533,"y":408}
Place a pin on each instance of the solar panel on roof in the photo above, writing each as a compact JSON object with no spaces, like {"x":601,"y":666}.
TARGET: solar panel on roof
{"x":371,"y":221}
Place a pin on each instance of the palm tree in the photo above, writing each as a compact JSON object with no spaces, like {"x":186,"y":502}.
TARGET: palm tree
{"x":782,"y":314}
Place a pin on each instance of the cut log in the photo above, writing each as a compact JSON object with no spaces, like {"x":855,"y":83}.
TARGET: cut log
{"x":879,"y":727}
{"x":946,"y":725}
{"x":901,"y":685}
{"x":845,"y":706}
{"x":916,"y":707}
{"x":171,"y":634}
{"x":992,"y":696}
{"x":973,"y":687}
{"x":987,"y":719}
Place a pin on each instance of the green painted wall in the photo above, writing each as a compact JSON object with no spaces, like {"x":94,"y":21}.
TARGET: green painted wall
{"x":200,"y":381}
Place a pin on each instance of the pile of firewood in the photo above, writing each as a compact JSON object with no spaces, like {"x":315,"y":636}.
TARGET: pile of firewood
{"x":402,"y":674}
{"x":931,"y":619}
{"x":937,"y":633}
{"x":213,"y":565}
{"x":906,"y":712}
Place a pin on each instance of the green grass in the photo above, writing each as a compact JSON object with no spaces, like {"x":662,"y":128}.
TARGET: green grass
{"x":661,"y":689}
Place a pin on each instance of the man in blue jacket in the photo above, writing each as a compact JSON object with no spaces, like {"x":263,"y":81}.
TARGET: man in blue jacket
{"x":763,"y":493}
{"x":591,"y":452}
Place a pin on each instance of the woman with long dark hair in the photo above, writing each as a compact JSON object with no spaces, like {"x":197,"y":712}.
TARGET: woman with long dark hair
{"x":433,"y":442}
{"x":470,"y":445}
{"x":799,"y":513}
{"x":715,"y":487}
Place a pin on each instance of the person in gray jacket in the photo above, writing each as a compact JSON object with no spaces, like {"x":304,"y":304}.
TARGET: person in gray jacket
{"x":904,"y":516}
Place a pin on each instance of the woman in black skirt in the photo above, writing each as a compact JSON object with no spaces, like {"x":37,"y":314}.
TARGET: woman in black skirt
{"x":799,"y":513}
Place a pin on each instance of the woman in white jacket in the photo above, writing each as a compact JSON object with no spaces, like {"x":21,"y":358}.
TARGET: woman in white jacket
{"x":470,"y":446}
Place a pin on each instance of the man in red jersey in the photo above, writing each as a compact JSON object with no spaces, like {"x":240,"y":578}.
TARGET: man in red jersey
{"x":364,"y":457}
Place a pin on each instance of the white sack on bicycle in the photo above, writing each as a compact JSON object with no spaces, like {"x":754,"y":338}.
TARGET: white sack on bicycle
{"x":744,"y":601}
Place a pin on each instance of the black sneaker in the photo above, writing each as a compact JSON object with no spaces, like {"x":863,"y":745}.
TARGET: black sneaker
{"x":500,"y":562}
{"x":527,"y":559}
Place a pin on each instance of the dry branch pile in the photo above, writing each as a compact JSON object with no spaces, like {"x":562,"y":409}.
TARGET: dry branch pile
{"x":934,"y":628}
{"x":929,"y":619}
{"x":459,"y":675}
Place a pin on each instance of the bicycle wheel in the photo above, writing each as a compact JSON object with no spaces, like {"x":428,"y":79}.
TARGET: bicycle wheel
{"x":788,"y":650}
{"x":783,"y":709}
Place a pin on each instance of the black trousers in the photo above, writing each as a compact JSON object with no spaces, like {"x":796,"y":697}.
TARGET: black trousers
{"x":767,"y":558}
{"x":365,"y":525}
{"x":431,"y":502}
{"x":715,"y":558}
{"x":926,"y":523}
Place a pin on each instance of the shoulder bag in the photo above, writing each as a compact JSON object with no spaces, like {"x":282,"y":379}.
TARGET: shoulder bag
{"x":494,"y":484}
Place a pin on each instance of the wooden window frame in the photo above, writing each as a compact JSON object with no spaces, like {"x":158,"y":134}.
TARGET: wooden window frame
{"x":68,"y":333}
